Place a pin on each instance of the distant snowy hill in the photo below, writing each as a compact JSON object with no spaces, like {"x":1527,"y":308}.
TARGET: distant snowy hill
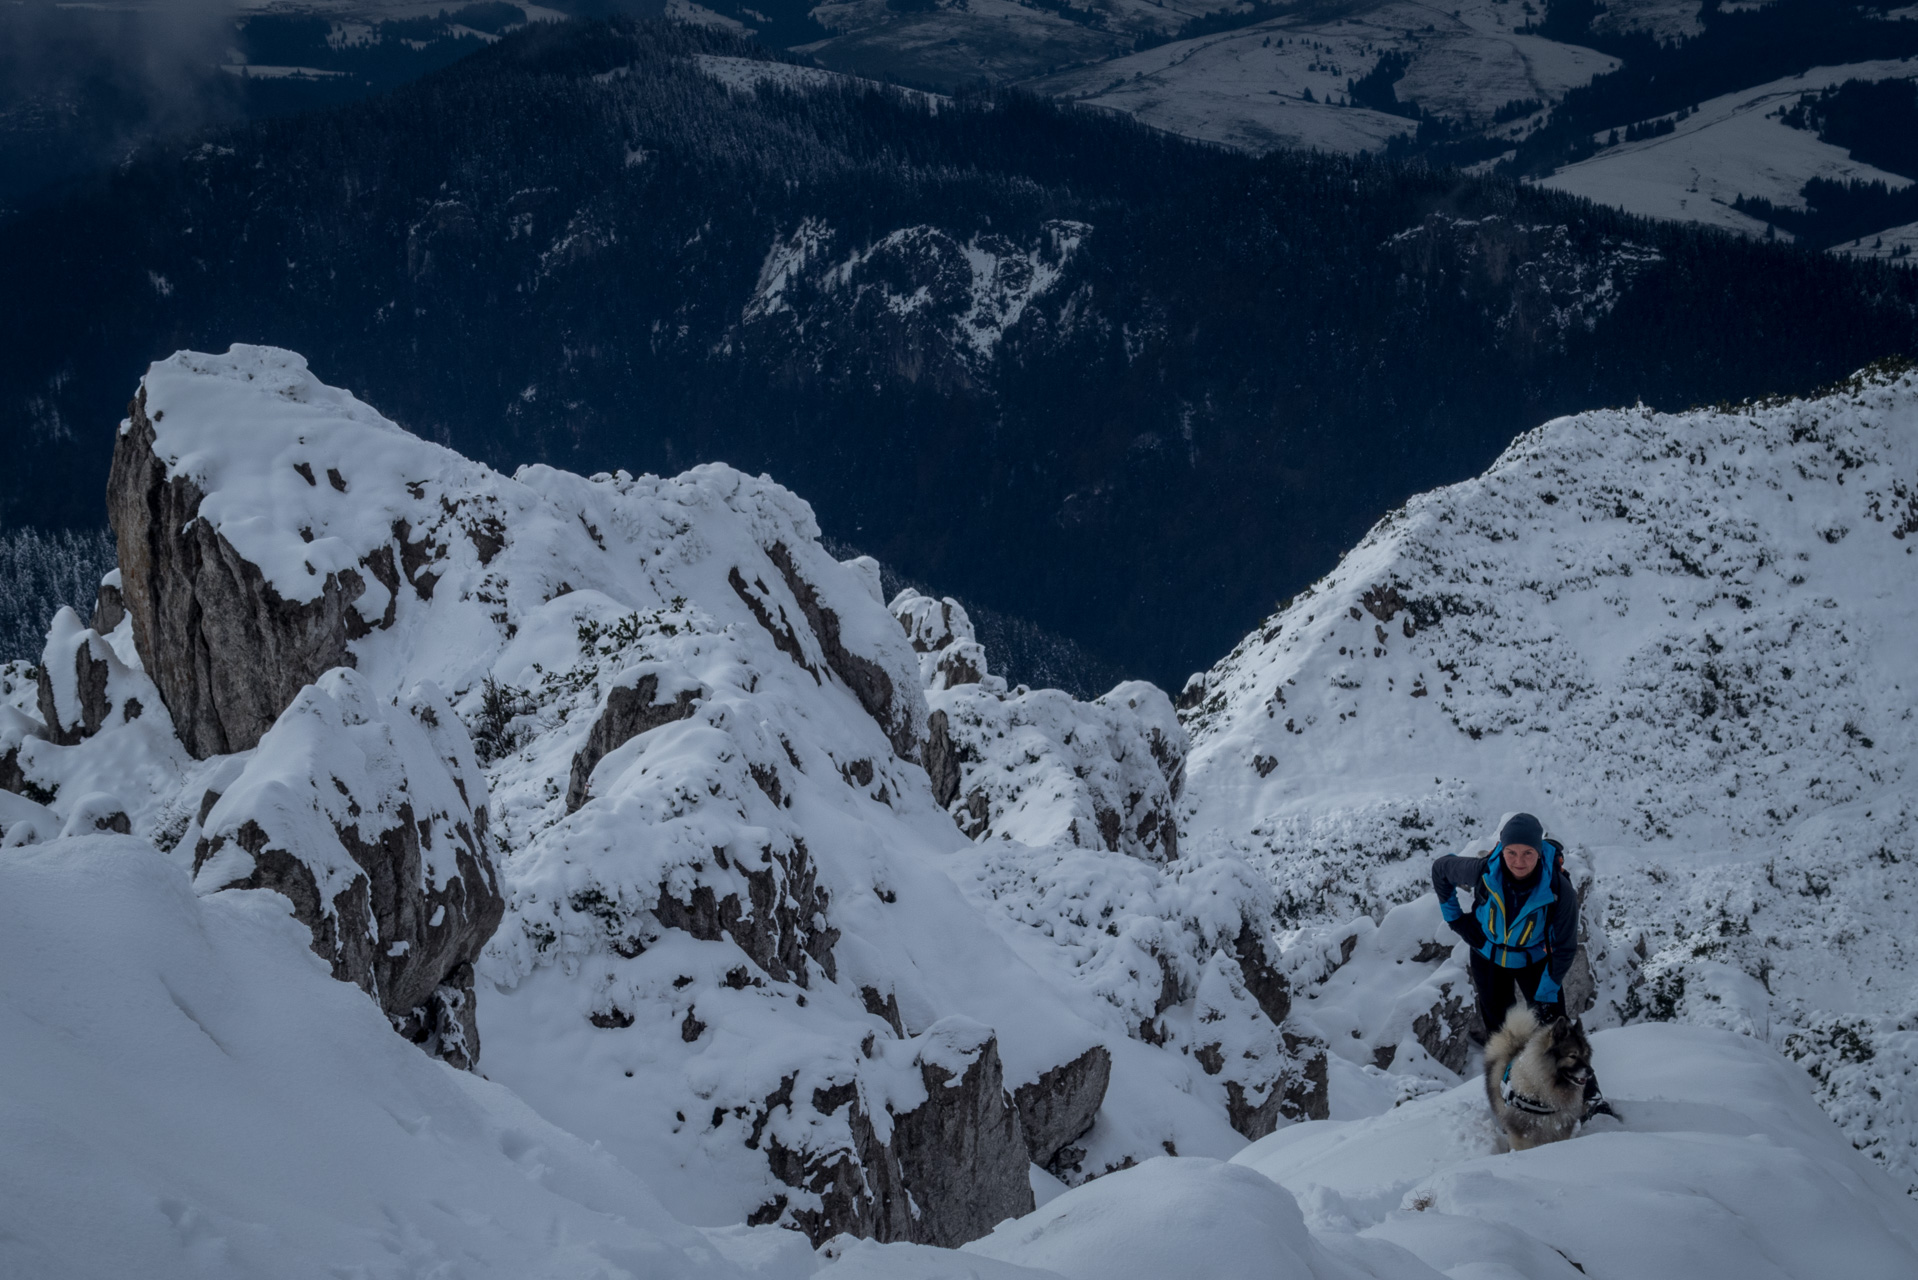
{"x":822,"y":950}
{"x":1733,"y":145}
{"x":1683,"y":641}
{"x":1287,"y":81}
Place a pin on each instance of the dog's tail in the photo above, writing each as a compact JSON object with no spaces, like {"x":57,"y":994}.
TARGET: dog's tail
{"x":1521,"y":1024}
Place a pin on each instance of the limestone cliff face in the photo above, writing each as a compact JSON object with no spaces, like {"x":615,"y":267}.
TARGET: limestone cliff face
{"x":226,"y":650}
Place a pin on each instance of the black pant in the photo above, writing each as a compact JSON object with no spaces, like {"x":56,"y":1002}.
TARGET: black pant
{"x":1499,"y":988}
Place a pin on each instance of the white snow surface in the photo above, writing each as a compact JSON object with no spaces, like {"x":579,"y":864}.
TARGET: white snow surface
{"x":185,"y":1091}
{"x":1733,"y":145}
{"x":1722,"y":1167}
{"x":1684,"y":642}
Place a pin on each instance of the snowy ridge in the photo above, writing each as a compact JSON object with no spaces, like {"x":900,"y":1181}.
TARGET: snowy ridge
{"x":1683,"y":641}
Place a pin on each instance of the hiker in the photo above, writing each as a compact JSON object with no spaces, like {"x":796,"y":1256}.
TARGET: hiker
{"x":1523,"y":930}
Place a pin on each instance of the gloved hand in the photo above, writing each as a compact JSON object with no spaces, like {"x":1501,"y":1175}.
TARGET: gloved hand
{"x":1548,"y":1011}
{"x":1468,"y":928}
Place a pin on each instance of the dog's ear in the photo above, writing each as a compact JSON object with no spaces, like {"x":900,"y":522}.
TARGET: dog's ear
{"x":1561,"y":1028}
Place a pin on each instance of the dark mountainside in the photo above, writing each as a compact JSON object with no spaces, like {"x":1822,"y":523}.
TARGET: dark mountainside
{"x":1200,"y":375}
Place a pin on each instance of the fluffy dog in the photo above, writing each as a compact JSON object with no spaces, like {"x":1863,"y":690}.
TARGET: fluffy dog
{"x":1535,"y":1077}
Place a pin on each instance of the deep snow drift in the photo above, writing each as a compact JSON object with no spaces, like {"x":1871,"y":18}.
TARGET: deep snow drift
{"x":810,"y":921}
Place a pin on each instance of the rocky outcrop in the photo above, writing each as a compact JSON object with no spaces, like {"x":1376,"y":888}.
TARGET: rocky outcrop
{"x":1266,"y":984}
{"x":1059,"y":1107}
{"x":942,"y":759}
{"x":78,"y":670}
{"x":781,"y":922}
{"x":109,"y":606}
{"x":941,"y":1172}
{"x":227,"y":652}
{"x":82,"y":686}
{"x":867,"y":679}
{"x":1445,"y":1030}
{"x":631,"y":709}
{"x":1301,"y":1094}
{"x":941,"y":633}
{"x":1042,"y":766}
{"x":370,"y":818}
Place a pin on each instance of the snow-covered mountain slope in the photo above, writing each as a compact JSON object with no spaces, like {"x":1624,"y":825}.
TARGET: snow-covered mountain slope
{"x":1246,"y":87}
{"x":1733,"y":145}
{"x":1684,"y":641}
{"x":812,"y":922}
{"x":743,"y":946}
{"x":939,"y":305}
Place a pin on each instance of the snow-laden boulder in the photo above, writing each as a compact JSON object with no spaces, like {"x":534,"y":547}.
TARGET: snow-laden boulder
{"x":370,"y":817}
{"x":1148,"y":1222}
{"x":941,"y":633}
{"x":1684,"y":641}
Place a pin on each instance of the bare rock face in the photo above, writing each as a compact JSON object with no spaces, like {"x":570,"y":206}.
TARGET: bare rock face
{"x":1445,"y":1030}
{"x":1059,"y":1107}
{"x":226,"y":651}
{"x":631,"y":709}
{"x":942,"y":1171}
{"x":371,"y":819}
{"x":943,"y":759}
{"x":109,"y":606}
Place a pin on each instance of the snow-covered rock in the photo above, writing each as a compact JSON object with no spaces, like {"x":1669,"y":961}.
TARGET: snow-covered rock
{"x":1684,"y":641}
{"x":370,"y":817}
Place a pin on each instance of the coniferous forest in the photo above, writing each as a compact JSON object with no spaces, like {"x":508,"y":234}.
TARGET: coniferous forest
{"x":1188,"y":378}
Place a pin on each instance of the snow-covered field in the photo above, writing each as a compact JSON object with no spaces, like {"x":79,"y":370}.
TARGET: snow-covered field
{"x":1245,"y":87}
{"x":792,"y":883}
{"x":1731,"y":146}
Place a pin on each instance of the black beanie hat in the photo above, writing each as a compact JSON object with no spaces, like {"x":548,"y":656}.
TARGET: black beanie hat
{"x":1522,"y":828}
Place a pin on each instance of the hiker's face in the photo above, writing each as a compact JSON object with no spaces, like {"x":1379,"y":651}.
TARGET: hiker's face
{"x":1520,"y":859}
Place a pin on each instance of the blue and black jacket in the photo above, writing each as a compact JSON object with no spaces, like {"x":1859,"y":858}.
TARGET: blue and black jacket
{"x":1514,"y":935}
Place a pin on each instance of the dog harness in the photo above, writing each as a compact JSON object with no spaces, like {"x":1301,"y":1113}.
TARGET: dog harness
{"x":1521,"y":1101}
